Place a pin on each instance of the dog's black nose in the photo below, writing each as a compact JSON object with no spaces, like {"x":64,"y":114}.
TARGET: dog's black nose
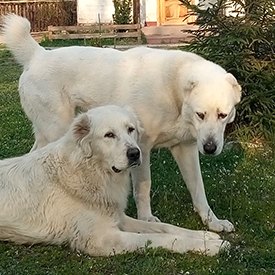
{"x":210,"y":147}
{"x":133,"y":154}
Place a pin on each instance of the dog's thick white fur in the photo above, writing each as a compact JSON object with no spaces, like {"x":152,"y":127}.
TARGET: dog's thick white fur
{"x":183,"y":101}
{"x":75,"y":190}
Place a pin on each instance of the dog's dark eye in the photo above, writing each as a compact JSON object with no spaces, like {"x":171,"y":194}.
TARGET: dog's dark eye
{"x":109,"y":135}
{"x":222,"y":116}
{"x":131,"y":129}
{"x":200,"y":115}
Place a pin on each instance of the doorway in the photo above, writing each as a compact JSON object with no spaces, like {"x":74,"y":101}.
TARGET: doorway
{"x":172,"y":12}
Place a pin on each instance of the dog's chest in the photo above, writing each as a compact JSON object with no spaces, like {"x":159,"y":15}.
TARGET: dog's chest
{"x":173,"y":136}
{"x":117,"y":193}
{"x":165,"y":141}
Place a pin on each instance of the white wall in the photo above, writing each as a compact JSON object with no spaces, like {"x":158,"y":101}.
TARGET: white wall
{"x":88,"y":10}
{"x":229,"y":11}
{"x":151,"y":10}
{"x":206,"y":3}
{"x":148,"y":11}
{"x":142,"y":12}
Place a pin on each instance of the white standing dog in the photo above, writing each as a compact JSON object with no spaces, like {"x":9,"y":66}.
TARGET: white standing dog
{"x":75,"y":190}
{"x":183,"y":101}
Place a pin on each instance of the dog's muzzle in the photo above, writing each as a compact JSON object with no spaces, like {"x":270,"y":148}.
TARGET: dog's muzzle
{"x":133,"y":155}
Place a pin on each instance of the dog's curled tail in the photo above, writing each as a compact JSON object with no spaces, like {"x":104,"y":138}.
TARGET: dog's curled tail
{"x":17,"y":37}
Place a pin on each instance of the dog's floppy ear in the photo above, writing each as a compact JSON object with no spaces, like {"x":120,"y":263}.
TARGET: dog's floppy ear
{"x":237,"y":88}
{"x":139,"y":128}
{"x":232,"y":116}
{"x":191,"y":85}
{"x":81,"y":127}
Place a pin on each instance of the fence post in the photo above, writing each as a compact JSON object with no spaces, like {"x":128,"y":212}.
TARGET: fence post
{"x":50,"y":33}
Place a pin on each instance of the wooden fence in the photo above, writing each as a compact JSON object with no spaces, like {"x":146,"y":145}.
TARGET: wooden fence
{"x":96,"y":31}
{"x":44,"y":13}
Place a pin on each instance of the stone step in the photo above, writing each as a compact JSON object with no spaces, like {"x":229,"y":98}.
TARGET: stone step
{"x":168,"y":34}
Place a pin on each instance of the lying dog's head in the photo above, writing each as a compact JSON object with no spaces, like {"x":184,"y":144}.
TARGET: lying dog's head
{"x":211,"y":105}
{"x":109,"y":135}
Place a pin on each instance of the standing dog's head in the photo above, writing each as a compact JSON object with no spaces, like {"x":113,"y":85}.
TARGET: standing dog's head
{"x":210,"y":106}
{"x":109,"y":135}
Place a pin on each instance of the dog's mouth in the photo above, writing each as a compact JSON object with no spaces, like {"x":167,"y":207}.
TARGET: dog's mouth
{"x":131,"y":165}
{"x":115,"y":169}
{"x":135,"y":163}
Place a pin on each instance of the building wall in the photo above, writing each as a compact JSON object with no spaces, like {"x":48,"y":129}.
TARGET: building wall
{"x":151,"y":11}
{"x":89,"y":10}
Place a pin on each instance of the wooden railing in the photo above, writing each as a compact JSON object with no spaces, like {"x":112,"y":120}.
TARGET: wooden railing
{"x":41,"y":14}
{"x":96,"y":31}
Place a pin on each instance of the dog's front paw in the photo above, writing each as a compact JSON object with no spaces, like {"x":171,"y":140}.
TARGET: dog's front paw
{"x":207,"y":235}
{"x":220,"y":225}
{"x":150,"y":218}
{"x":215,"y":247}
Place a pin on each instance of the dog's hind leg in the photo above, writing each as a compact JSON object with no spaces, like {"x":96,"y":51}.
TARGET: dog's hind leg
{"x":50,"y":110}
{"x":34,"y":147}
{"x":51,"y":124}
{"x":42,"y":140}
{"x":50,"y":132}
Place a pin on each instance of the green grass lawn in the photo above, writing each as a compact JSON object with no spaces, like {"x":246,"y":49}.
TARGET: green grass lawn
{"x":240,"y":186}
{"x":96,"y":42}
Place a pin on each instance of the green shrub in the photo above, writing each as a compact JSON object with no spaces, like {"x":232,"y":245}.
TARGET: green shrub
{"x":123,"y":11}
{"x":244,"y":45}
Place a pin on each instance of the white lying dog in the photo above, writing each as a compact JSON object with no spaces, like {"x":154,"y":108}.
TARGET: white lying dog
{"x":75,"y":189}
{"x":183,"y":101}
